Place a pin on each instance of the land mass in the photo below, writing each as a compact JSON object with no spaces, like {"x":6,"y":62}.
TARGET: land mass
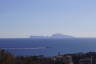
{"x":54,"y":36}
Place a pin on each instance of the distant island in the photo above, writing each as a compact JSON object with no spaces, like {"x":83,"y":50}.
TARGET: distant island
{"x":54,"y":36}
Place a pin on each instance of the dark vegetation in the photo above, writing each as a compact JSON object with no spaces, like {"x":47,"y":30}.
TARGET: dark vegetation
{"x":7,"y":58}
{"x":78,"y":58}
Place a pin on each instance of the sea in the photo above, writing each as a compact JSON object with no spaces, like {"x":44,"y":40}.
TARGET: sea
{"x":47,"y":47}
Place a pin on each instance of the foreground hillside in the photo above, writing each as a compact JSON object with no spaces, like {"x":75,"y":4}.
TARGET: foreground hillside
{"x":76,"y":58}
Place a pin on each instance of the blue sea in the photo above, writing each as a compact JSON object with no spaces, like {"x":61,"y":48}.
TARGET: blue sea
{"x":47,"y":47}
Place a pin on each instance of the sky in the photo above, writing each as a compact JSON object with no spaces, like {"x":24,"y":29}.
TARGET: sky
{"x":22,"y":18}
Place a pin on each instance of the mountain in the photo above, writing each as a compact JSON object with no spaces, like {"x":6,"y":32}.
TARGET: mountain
{"x":39,"y":37}
{"x":61,"y":36}
{"x":57,"y":36}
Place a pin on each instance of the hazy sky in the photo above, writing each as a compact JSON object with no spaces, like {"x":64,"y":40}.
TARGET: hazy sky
{"x":21,"y":18}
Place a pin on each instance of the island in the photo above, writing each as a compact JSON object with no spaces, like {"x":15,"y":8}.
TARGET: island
{"x":54,"y":36}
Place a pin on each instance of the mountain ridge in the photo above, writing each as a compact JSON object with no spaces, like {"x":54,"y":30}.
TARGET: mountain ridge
{"x":54,"y":36}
